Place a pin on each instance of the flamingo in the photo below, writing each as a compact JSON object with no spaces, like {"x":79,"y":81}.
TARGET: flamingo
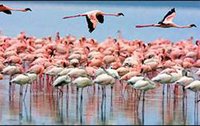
{"x":185,"y":80}
{"x":77,"y":72}
{"x":111,"y":72}
{"x":23,"y":79}
{"x":144,"y":84}
{"x":7,"y":10}
{"x":194,"y":86}
{"x":93,"y":17}
{"x":162,"y":78}
{"x":104,"y":80}
{"x":61,"y":81}
{"x":134,"y":79}
{"x":65,"y":71}
{"x":82,"y":82}
{"x":167,"y":22}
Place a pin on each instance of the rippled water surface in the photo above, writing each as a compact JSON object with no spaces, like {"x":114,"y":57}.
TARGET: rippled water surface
{"x":46,"y":106}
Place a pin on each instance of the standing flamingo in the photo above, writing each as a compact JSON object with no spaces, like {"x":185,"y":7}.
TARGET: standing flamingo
{"x":61,"y":81}
{"x":194,"y":86}
{"x":82,"y":82}
{"x":93,"y":17}
{"x":23,"y":79}
{"x":8,"y":10}
{"x":167,"y":22}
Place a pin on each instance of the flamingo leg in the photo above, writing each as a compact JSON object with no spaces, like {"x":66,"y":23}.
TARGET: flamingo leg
{"x":168,"y":90}
{"x":126,"y":87}
{"x":143,"y":107}
{"x":198,"y":100}
{"x":184,"y":92}
{"x":81,"y":94}
{"x":25,"y":92}
{"x":163,"y":92}
{"x":20,"y":103}
{"x":140,"y":93}
{"x":10,"y":87}
{"x":94,"y":88}
{"x":102,"y":92}
{"x":81,"y":107}
{"x":111,"y":94}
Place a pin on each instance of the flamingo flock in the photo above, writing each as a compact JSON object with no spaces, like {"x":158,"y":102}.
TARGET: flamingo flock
{"x":49,"y":63}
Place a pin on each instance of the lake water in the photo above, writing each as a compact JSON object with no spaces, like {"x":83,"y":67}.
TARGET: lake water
{"x":43,"y":107}
{"x":46,"y":19}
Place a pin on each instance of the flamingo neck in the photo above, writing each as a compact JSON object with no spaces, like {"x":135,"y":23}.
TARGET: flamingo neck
{"x":111,"y":14}
{"x":187,"y":26}
{"x":74,"y":16}
{"x":19,"y":10}
{"x":147,"y":25}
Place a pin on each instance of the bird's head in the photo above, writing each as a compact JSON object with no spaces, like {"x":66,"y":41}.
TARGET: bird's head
{"x":198,"y":42}
{"x":120,"y":14}
{"x":27,"y":9}
{"x":193,"y":25}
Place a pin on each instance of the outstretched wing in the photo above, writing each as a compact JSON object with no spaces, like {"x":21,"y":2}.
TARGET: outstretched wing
{"x":169,"y":17}
{"x":100,"y":17}
{"x":92,"y":23}
{"x":5,"y":9}
{"x":7,"y":12}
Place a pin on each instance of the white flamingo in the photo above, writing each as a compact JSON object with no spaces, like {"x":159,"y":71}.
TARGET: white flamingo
{"x":185,"y":80}
{"x":104,"y":80}
{"x":82,"y":82}
{"x":23,"y":79}
{"x":194,"y":86}
{"x":61,"y":81}
{"x":65,"y":71}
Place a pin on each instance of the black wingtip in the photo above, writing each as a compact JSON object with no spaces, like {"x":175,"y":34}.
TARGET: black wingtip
{"x":28,"y":9}
{"x":90,"y":31}
{"x":7,"y":12}
{"x":173,"y":9}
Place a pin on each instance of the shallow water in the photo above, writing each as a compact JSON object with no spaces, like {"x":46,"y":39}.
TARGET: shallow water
{"x":43,"y":107}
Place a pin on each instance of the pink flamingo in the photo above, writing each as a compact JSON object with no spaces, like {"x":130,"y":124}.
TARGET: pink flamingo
{"x":93,"y":17}
{"x":8,"y":10}
{"x":167,"y":22}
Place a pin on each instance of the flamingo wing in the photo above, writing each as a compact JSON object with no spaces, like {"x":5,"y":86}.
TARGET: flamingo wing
{"x":5,"y":9}
{"x":7,"y":12}
{"x":100,"y":18}
{"x":92,"y":23}
{"x":169,"y":17}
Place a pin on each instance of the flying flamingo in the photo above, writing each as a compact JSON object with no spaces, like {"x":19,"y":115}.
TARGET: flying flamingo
{"x":167,"y":22}
{"x":8,"y":10}
{"x":93,"y":17}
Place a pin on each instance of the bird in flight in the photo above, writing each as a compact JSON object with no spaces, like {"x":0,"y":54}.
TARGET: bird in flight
{"x":93,"y":17}
{"x":167,"y":22}
{"x":8,"y":10}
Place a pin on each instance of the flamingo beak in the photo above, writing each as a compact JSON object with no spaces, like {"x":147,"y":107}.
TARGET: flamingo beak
{"x":120,"y":14}
{"x":28,"y":9}
{"x":193,"y":25}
